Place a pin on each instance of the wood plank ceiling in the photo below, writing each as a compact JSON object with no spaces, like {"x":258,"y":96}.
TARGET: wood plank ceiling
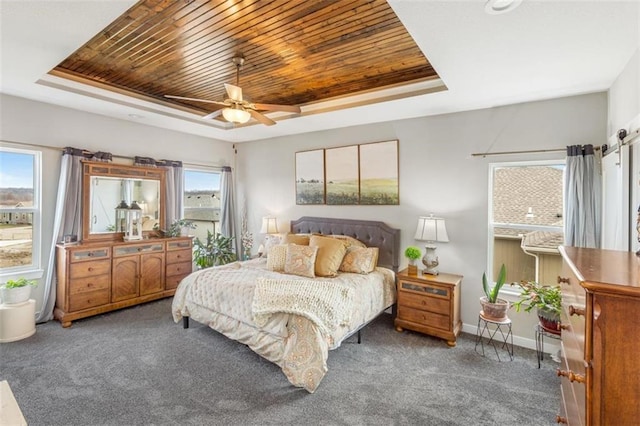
{"x":296,"y":52}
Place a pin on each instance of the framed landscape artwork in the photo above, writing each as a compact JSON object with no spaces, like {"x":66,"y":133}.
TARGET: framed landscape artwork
{"x":310,"y":177}
{"x":342,"y":175}
{"x":365,"y":174}
{"x":379,"y":173}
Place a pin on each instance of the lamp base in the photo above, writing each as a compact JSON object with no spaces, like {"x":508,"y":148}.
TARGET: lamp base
{"x":430,"y":260}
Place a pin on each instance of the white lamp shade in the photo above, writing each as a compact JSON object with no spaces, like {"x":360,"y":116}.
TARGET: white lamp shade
{"x":269,"y":225}
{"x":431,"y":229}
{"x":236,"y":115}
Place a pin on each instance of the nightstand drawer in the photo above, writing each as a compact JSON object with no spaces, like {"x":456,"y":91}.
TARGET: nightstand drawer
{"x":424,"y":317}
{"x":429,"y":289}
{"x":425,"y":303}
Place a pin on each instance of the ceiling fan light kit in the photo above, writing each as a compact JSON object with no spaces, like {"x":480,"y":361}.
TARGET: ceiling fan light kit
{"x":496,"y":7}
{"x":236,"y":109}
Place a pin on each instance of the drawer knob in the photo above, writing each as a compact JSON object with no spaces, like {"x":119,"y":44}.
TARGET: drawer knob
{"x":560,"y":419}
{"x":573,"y":377}
{"x":576,"y":311}
{"x":90,"y":254}
{"x":563,"y":280}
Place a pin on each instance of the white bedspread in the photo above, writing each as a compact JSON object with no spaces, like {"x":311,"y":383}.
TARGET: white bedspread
{"x":222,"y":298}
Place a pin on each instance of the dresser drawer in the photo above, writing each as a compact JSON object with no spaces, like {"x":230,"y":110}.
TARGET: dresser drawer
{"x":89,"y":269}
{"x":83,"y":285}
{"x":128,"y":250}
{"x":90,"y":254}
{"x":88,"y":300}
{"x":178,"y":256}
{"x":431,"y":319}
{"x":424,"y":302}
{"x":173,"y":281}
{"x":183,"y":268}
{"x":179,"y":245}
{"x":573,"y":393}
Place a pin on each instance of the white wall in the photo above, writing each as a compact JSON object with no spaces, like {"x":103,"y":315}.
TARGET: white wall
{"x":28,"y":122}
{"x":437,"y":174}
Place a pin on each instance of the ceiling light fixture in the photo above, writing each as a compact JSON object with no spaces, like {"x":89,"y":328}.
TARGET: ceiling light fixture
{"x":496,"y":7}
{"x":236,"y":114}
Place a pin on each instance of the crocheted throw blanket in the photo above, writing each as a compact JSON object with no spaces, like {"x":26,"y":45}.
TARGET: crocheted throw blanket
{"x":328,"y":304}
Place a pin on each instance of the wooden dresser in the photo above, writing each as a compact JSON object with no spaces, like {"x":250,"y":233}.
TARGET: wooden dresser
{"x":429,"y":304}
{"x":94,"y":278}
{"x":600,"y":368}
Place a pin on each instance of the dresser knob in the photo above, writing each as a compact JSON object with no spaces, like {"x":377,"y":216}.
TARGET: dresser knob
{"x":563,"y":280}
{"x":573,"y":377}
{"x":576,"y":311}
{"x":90,"y":254}
{"x":563,"y":420}
{"x":90,"y":269}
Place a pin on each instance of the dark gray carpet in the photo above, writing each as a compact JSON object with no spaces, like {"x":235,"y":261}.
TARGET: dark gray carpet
{"x":136,"y":366}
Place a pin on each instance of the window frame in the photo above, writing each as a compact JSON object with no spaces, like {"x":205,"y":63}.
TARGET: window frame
{"x":492,"y":225}
{"x":34,"y":270}
{"x":203,"y":169}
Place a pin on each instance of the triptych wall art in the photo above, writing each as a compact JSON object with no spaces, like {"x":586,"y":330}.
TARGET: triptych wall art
{"x":365,"y":174}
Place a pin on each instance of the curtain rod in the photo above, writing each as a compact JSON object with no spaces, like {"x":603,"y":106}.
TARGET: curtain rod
{"x":123,"y":157}
{"x":531,"y":151}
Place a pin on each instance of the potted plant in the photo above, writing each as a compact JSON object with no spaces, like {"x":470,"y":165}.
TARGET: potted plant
{"x":16,"y":291}
{"x":412,"y":253}
{"x":180,"y":227}
{"x":546,"y":299}
{"x":494,"y":308}
{"x":216,"y":250}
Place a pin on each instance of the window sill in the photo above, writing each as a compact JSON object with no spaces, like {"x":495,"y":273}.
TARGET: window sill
{"x":30,"y":274}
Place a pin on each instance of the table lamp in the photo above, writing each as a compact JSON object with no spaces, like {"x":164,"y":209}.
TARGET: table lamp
{"x":431,"y":229}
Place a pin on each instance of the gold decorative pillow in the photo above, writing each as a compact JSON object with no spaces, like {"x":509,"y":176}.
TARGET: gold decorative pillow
{"x":348,"y":241}
{"x":300,"y":260}
{"x":299,"y":239}
{"x":277,"y":257}
{"x":330,"y":254}
{"x":360,"y":260}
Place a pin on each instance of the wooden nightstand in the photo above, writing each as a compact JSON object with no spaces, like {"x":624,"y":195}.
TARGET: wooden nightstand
{"x":429,"y":304}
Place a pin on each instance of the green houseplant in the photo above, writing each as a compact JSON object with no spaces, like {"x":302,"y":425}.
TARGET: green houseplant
{"x":412,"y":253}
{"x":492,"y":306}
{"x":546,"y":299}
{"x":16,"y":291}
{"x":215,"y":250}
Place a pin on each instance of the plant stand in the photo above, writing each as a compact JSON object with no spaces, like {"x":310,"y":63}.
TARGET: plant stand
{"x":17,"y":321}
{"x":497,"y":334}
{"x":541,"y":333}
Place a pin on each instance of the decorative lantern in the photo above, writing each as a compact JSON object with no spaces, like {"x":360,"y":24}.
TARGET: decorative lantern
{"x":121,"y":216}
{"x":134,"y":223}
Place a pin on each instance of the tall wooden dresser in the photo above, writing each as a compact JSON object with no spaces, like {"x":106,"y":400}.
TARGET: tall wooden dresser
{"x":600,"y":368}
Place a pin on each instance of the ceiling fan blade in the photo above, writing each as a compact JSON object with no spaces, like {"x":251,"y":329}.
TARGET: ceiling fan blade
{"x":261,"y":118}
{"x":234,"y":92}
{"x":214,"y":114}
{"x":196,"y":100}
{"x":274,"y":107}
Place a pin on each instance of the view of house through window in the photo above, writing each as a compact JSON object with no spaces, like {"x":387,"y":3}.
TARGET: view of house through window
{"x":202,"y":201}
{"x":526,"y":220}
{"x":19,"y":209}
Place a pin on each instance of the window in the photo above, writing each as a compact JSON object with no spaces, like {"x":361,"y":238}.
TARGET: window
{"x":19,"y":211}
{"x":201,"y":200}
{"x":526,"y":220}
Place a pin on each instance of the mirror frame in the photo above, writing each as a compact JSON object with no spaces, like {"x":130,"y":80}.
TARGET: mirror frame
{"x":96,"y":168}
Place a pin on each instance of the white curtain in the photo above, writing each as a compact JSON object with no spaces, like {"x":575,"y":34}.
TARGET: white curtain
{"x":67,"y":220}
{"x":173,"y":191}
{"x":583,"y":198}
{"x":228,"y":209}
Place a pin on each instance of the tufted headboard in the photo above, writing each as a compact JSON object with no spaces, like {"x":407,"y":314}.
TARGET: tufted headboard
{"x":372,"y":233}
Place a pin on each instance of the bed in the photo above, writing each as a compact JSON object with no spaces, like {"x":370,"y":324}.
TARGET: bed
{"x":262,"y":308}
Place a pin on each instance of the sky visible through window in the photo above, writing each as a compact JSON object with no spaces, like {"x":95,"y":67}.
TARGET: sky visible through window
{"x":16,"y":170}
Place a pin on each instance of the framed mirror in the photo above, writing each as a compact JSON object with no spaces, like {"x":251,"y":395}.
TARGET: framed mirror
{"x":107,"y":186}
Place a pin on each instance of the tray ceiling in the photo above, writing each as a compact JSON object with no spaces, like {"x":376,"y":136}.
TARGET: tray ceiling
{"x":296,"y":53}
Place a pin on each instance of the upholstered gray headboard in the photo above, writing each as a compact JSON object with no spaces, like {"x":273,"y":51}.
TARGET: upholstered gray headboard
{"x":372,"y":233}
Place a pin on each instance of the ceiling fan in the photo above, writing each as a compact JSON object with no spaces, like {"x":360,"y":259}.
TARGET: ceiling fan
{"x":237,"y":110}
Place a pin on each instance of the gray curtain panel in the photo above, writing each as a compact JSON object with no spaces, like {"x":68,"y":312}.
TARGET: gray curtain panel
{"x":583,"y":198}
{"x":228,"y":208}
{"x":68,"y":219}
{"x":173,"y":191}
